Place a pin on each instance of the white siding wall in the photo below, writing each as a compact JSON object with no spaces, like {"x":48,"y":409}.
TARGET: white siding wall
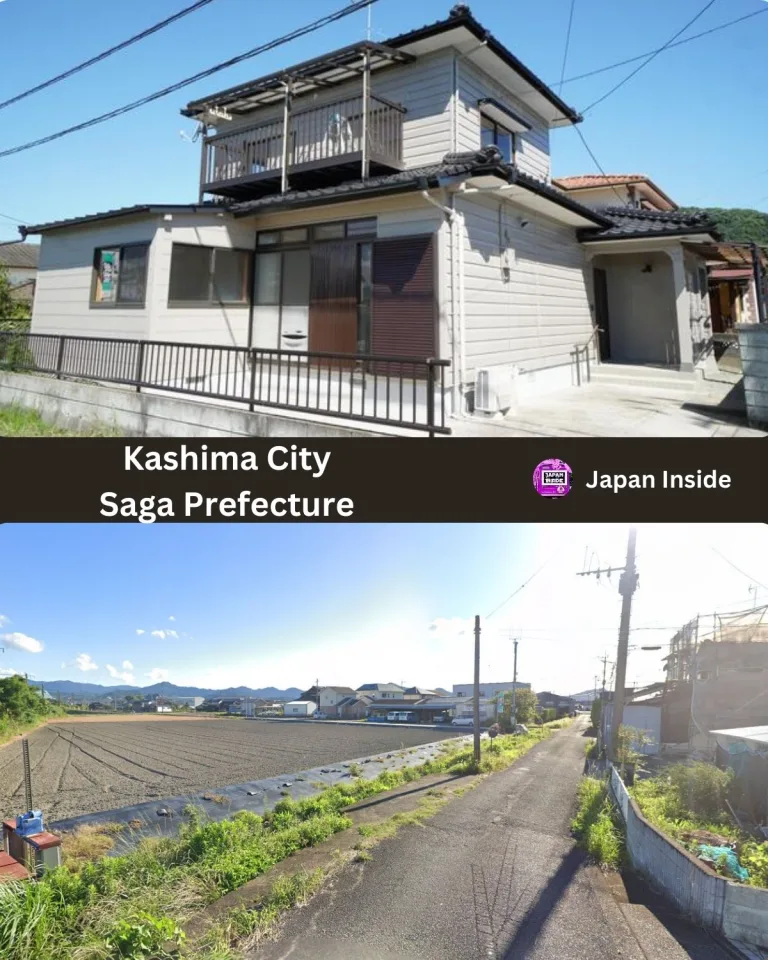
{"x":533,"y":320}
{"x":424,"y":88}
{"x":617,"y":196}
{"x":532,"y":154}
{"x":219,"y":324}
{"x":65,"y":275}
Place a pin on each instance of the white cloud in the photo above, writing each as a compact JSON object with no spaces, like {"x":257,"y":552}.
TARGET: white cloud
{"x":156,"y":675}
{"x":164,"y":634}
{"x":116,"y":674}
{"x":139,"y":632}
{"x":5,"y":672}
{"x":20,"y":641}
{"x":127,"y":665}
{"x":171,"y":618}
{"x":84,"y":662}
{"x":4,"y":620}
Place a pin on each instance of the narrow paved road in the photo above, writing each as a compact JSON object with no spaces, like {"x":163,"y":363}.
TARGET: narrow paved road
{"x":494,"y":875}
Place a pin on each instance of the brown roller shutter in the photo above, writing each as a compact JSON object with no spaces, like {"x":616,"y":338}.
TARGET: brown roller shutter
{"x":404,"y":314}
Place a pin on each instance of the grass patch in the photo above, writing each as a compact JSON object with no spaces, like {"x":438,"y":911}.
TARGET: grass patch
{"x":20,"y":422}
{"x":15,"y":728}
{"x":596,"y":824}
{"x":133,"y":906}
{"x":686,"y":801}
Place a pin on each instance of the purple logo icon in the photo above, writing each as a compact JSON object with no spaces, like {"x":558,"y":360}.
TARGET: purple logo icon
{"x":553,"y":478}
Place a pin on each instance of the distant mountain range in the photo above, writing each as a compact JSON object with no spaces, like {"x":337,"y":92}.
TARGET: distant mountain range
{"x":76,"y":689}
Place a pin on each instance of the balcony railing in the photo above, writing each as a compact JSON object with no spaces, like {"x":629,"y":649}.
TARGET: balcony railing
{"x":319,"y":138}
{"x":403,"y":392}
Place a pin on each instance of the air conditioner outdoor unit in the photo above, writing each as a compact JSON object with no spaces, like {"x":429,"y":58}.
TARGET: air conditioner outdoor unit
{"x":494,"y":390}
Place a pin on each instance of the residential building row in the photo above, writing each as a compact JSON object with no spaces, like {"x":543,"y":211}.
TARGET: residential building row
{"x":396,"y":198}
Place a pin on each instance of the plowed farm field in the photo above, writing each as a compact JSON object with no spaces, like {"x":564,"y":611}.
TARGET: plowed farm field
{"x":88,"y":767}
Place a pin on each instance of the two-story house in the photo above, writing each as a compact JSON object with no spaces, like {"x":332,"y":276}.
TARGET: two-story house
{"x":387,"y":199}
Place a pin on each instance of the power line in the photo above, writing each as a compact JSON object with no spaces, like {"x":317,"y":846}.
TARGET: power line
{"x":669,"y":46}
{"x":249,"y":54}
{"x":107,"y":53}
{"x":567,"y":44}
{"x":737,"y":569}
{"x":622,"y":200}
{"x":633,"y":73}
{"x":7,"y":216}
{"x":522,"y":585}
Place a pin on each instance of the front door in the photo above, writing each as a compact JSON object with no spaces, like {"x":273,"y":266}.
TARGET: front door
{"x":601,"y":313}
{"x":333,"y":298}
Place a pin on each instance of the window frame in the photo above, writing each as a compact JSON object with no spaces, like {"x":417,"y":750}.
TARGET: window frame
{"x":118,"y":304}
{"x":215,"y":302}
{"x":496,"y":127}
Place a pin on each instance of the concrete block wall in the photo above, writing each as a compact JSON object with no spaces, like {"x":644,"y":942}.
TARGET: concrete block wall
{"x":736,"y":911}
{"x":753,"y":347}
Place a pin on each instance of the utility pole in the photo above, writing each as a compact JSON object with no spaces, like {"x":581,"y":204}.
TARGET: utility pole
{"x":627,"y":586}
{"x":604,"y":660}
{"x":513,"y":712}
{"x":476,"y":712}
{"x":757,"y":267}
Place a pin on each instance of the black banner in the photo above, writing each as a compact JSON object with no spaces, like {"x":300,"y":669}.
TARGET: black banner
{"x":339,"y":480}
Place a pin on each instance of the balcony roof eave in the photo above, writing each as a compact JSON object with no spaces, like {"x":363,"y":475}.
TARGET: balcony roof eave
{"x":330,"y":70}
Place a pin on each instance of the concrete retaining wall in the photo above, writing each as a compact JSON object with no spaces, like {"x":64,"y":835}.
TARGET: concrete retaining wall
{"x":80,"y":406}
{"x":731,"y":909}
{"x":753,"y":347}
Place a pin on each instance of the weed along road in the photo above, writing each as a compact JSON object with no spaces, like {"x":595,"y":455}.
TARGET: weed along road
{"x":494,"y":874}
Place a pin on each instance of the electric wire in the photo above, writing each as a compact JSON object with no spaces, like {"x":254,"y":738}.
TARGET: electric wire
{"x":669,"y":46}
{"x":651,"y":58}
{"x":106,"y":53}
{"x":567,"y":45}
{"x":203,"y":74}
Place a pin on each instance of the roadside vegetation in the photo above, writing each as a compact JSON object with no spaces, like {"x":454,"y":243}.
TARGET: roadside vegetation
{"x":597,"y":825}
{"x":22,"y":708}
{"x":135,"y":905}
{"x":687,"y":801}
{"x":20,"y":422}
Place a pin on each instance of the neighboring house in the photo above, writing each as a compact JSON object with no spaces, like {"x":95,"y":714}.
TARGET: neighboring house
{"x":744,"y":750}
{"x":20,"y":260}
{"x":382,"y":691}
{"x":331,"y":697}
{"x":488,"y":690}
{"x":641,"y":714}
{"x":632,"y":190}
{"x":299,"y":708}
{"x":353,"y":708}
{"x":563,"y":705}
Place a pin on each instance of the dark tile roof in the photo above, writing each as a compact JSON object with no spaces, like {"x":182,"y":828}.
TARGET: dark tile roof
{"x":120,"y":212}
{"x":460,"y":16}
{"x":17,"y":254}
{"x":628,"y":223}
{"x":487,"y":161}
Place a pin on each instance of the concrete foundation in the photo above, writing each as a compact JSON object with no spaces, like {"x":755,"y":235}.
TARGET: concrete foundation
{"x":81,"y":406}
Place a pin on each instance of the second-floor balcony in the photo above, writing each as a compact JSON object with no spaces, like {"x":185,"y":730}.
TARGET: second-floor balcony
{"x":343,"y":140}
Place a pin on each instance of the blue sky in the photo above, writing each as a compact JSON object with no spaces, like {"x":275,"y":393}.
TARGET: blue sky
{"x":283,"y":605}
{"x":688,"y":120}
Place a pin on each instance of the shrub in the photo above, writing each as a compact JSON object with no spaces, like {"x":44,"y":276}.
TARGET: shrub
{"x":548,"y":714}
{"x":701,"y":788}
{"x":596,"y":825}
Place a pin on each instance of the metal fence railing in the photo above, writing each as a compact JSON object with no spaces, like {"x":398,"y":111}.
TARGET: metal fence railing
{"x":407,"y":392}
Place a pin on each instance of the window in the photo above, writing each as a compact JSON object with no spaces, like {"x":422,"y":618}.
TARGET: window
{"x":493,"y":134}
{"x":365,"y":273}
{"x":208,"y":275}
{"x":120,"y":275}
{"x":328,"y":231}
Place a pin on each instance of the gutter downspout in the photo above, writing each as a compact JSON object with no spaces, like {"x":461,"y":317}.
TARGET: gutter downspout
{"x":455,"y":220}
